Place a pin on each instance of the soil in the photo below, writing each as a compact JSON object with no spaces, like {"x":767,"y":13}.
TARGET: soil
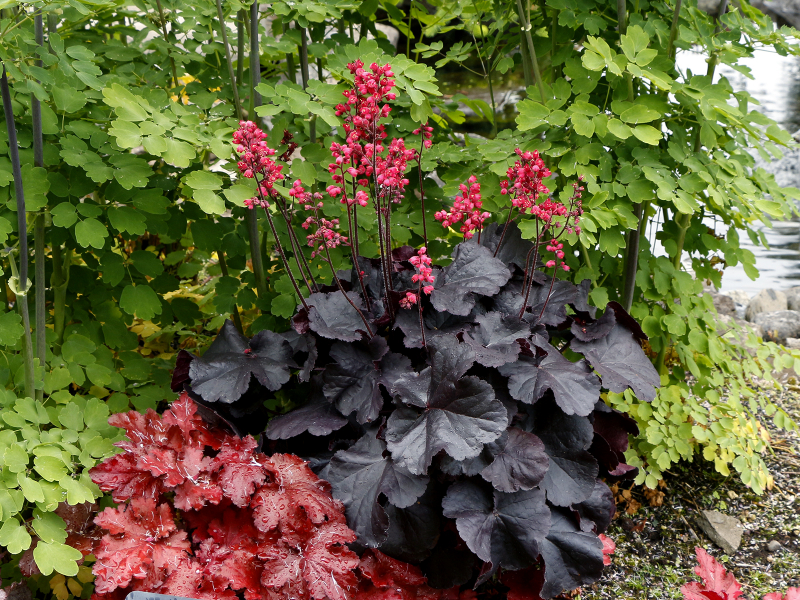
{"x":655,"y":545}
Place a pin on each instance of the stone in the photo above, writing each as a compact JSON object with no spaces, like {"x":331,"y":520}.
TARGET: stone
{"x":792,"y":343}
{"x":774,"y":546}
{"x":793,"y":298}
{"x":766,"y":301}
{"x":779,"y":325}
{"x":738,"y":296}
{"x":725,"y":531}
{"x":724,"y":304}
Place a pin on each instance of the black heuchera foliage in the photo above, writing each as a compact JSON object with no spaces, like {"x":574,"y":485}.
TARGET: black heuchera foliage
{"x":479,"y":452}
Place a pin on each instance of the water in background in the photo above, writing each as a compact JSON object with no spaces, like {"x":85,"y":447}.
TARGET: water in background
{"x":775,"y":85}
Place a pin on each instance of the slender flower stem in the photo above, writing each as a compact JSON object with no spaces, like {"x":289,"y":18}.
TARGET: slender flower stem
{"x":550,"y":291}
{"x":22,"y":296}
{"x":297,"y":249}
{"x":163,"y":20}
{"x":673,"y":30}
{"x":344,"y":293}
{"x":286,"y":266}
{"x":421,"y":322}
{"x":224,"y":268}
{"x":505,"y":228}
{"x":351,"y":210}
{"x":229,"y":59}
{"x":421,"y":190}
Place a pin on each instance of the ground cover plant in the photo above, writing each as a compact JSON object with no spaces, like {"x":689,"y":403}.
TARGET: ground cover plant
{"x":121,"y":171}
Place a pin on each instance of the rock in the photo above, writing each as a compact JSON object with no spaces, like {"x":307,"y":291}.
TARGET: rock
{"x":774,"y":546}
{"x":792,"y":343}
{"x":783,"y":12}
{"x":766,"y":301}
{"x":793,"y":298}
{"x":724,"y":304}
{"x":723,"y":530}
{"x":738,"y":296}
{"x":779,"y":325}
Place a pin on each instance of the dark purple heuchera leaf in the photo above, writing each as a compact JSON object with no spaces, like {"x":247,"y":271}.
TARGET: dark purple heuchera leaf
{"x":621,"y":362}
{"x":553,"y":303}
{"x":318,"y":418}
{"x":437,"y":323}
{"x":461,"y":413}
{"x":351,"y":382}
{"x":224,"y":371}
{"x":575,"y":387}
{"x":450,"y":563}
{"x":180,"y":374}
{"x":611,"y":430}
{"x":586,"y":330}
{"x":473,"y":271}
{"x":414,"y":531}
{"x":332,"y":316}
{"x":595,"y":513}
{"x":303,"y":344}
{"x":520,"y":462}
{"x":581,"y":303}
{"x":514,"y":249}
{"x":572,"y":558}
{"x":571,"y":475}
{"x":360,"y":475}
{"x":495,"y":339}
{"x":503,"y":529}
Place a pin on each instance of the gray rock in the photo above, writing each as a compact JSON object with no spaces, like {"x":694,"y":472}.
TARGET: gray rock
{"x":724,"y":304}
{"x":783,"y":12}
{"x":766,"y":301}
{"x":723,"y":530}
{"x":793,"y":298}
{"x":792,"y":343}
{"x":774,"y":546}
{"x":738,"y":296}
{"x":779,"y":325}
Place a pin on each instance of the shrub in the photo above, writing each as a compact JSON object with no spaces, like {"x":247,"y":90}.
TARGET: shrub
{"x":455,"y":411}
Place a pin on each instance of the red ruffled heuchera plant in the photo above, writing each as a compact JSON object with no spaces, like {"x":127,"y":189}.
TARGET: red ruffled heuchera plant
{"x":203,"y":515}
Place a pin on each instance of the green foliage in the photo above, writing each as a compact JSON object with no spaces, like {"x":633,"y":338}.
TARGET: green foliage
{"x":148,"y":243}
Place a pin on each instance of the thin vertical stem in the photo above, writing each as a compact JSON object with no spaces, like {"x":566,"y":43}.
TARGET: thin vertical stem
{"x":341,"y":289}
{"x":255,"y":253}
{"x":240,"y":17}
{"x":169,"y":45}
{"x":39,"y":228}
{"x":59,"y":281}
{"x":224,"y":268}
{"x":421,"y":322}
{"x":22,"y":296}
{"x":234,"y":85}
{"x":673,"y":30}
{"x":526,"y":28}
{"x":632,"y":257}
{"x":421,"y":189}
{"x":286,"y":266}
{"x":312,"y":124}
{"x":255,"y":60}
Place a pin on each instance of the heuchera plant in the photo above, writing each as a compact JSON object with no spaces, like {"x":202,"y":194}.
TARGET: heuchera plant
{"x":205,"y":516}
{"x":456,"y":412}
{"x":718,"y":584}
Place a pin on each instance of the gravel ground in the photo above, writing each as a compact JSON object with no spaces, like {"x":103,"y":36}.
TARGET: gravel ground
{"x":655,"y":546}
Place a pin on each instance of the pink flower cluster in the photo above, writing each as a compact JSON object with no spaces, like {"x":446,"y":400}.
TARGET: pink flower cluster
{"x":524,"y":181}
{"x":255,"y":162}
{"x":325,"y":236}
{"x":303,"y":198}
{"x":361,"y":157}
{"x":466,"y":209}
{"x":424,"y":277}
{"x":556,"y":248}
{"x":427,"y":134}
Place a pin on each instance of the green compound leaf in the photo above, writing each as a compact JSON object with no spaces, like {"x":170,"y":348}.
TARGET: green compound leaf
{"x":140,"y":301}
{"x":49,"y":527}
{"x":14,"y":537}
{"x":71,"y":417}
{"x":203,"y":180}
{"x":647,"y":134}
{"x":50,"y":467}
{"x":638,"y":113}
{"x":57,"y":557}
{"x":209,"y":202}
{"x":16,"y":458}
{"x":11,"y":329}
{"x":179,"y":154}
{"x":91,"y":232}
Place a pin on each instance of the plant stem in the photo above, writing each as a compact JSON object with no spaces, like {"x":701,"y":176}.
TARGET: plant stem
{"x":673,"y":30}
{"x":527,"y":70}
{"x":632,"y":257}
{"x":229,"y":60}
{"x":255,"y":61}
{"x":169,"y":45}
{"x":255,"y":253}
{"x":526,"y":28}
{"x":224,"y":268}
{"x":421,"y":190}
{"x":312,"y":124}
{"x":22,"y":227}
{"x":39,"y":229}
{"x":240,"y":45}
{"x":58,"y":281}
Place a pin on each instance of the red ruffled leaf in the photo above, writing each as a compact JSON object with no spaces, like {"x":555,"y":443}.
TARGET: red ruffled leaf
{"x":385,"y":578}
{"x":609,"y":547}
{"x":717,"y":584}
{"x":524,"y":584}
{"x":239,"y":470}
